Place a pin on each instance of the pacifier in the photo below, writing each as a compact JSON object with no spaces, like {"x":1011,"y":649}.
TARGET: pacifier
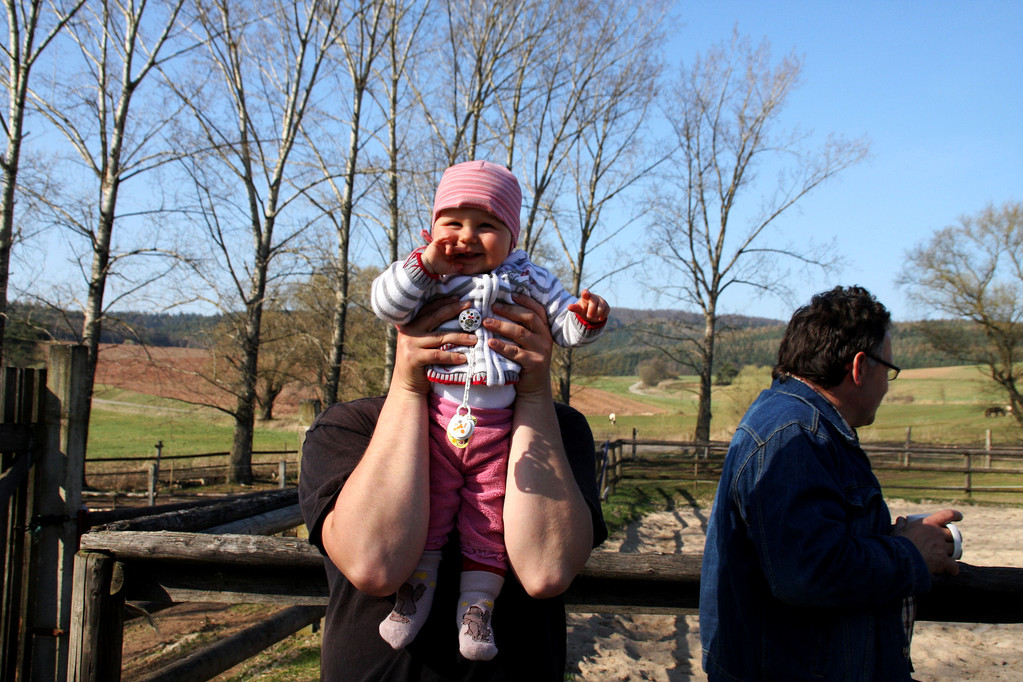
{"x":461,"y":427}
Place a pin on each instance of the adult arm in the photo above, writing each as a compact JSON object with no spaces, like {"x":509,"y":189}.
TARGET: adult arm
{"x":548,"y":527}
{"x":376,"y":531}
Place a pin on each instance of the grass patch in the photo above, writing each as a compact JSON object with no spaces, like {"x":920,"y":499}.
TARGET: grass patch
{"x":294,"y":659}
{"x":118,"y":430}
{"x":940,"y":406}
{"x":633,"y":500}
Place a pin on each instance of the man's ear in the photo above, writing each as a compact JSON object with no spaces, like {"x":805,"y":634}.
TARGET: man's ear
{"x":858,"y":365}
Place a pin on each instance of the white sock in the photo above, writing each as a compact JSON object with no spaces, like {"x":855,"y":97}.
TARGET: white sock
{"x":479,"y":590}
{"x":412,"y":603}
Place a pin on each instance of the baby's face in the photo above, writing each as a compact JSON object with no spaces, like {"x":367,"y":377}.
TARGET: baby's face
{"x":476,"y":239}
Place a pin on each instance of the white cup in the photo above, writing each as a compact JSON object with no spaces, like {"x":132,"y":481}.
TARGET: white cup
{"x":957,"y":537}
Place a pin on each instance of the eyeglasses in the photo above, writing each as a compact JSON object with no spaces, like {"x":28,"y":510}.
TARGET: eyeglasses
{"x":893,"y":371}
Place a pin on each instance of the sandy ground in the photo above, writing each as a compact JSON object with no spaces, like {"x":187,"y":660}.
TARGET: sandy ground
{"x":668,"y":647}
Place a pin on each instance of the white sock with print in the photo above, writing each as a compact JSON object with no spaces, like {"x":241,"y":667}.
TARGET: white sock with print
{"x":412,"y":603}
{"x":479,"y":590}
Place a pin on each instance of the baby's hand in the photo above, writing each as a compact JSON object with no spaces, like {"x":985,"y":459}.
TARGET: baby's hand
{"x":438,"y":258}
{"x":591,"y":308}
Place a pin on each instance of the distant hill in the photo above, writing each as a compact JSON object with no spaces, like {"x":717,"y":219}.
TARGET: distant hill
{"x":28,"y":324}
{"x":743,"y":341}
{"x":627,"y":316}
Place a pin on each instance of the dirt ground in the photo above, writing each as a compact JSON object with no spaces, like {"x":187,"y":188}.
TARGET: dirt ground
{"x":606,"y":648}
{"x":178,"y":373}
{"x":610,"y":648}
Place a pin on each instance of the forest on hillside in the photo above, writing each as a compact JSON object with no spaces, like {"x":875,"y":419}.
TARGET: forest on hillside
{"x":626,"y":344}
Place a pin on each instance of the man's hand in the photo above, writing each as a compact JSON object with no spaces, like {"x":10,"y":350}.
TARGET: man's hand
{"x":932,"y":539}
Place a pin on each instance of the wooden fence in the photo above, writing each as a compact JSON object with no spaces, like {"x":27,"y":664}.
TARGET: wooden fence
{"x":42,"y":447}
{"x":986,"y":474}
{"x":639,"y":459}
{"x":162,"y":560}
{"x":164,"y":567}
{"x":63,"y":611}
{"x":119,"y":478}
{"x":42,"y":452}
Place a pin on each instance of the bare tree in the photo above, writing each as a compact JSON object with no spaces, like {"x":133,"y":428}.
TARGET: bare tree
{"x":267,"y":64}
{"x":310,"y":304}
{"x":401,"y":44}
{"x":609,"y":158}
{"x":25,"y":19}
{"x":568,"y":60}
{"x":481,"y":38}
{"x":972,"y":273}
{"x":119,"y":45}
{"x":361,"y":43}
{"x":723,"y":116}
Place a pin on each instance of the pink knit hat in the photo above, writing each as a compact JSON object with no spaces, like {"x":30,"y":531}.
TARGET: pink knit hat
{"x":483,"y":185}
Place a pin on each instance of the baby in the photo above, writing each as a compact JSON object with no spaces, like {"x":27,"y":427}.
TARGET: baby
{"x":472,"y":254}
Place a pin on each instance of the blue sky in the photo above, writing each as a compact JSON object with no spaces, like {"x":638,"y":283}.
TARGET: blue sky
{"x":937,"y":89}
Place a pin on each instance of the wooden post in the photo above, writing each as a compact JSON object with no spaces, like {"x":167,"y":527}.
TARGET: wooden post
{"x":987,"y":446}
{"x":57,"y":492}
{"x":97,"y":629}
{"x":617,"y":478}
{"x":909,"y":439}
{"x":159,"y":453}
{"x":282,"y":474}
{"x":969,"y":475}
{"x":151,"y":488}
{"x":22,"y":407}
{"x":634,"y":432}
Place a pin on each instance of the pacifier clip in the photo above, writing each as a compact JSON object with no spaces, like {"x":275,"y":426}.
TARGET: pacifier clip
{"x":462,"y":425}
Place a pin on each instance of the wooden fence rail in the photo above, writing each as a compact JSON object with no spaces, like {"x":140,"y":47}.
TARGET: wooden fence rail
{"x":696,"y":463}
{"x":160,"y":566}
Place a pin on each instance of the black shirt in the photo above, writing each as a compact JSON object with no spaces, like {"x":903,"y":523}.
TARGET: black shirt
{"x":530,"y":633}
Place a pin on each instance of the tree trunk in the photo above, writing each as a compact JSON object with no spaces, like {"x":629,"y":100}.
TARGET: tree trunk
{"x":332,"y":385}
{"x":565,"y":378}
{"x":266,"y":403}
{"x":92,"y":323}
{"x":240,"y":470}
{"x":10,"y":169}
{"x":6,"y":238}
{"x":244,"y":412}
{"x":337,"y":349}
{"x":703,"y":412}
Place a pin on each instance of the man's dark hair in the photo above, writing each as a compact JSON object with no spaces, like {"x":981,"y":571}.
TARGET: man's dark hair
{"x":824,"y":336}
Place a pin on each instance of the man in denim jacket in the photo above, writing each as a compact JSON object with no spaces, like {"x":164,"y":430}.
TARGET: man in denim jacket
{"x":804,"y":575}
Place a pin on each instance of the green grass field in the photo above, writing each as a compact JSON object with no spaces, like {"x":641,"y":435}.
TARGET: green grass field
{"x":939,"y":406}
{"x":126,"y":424}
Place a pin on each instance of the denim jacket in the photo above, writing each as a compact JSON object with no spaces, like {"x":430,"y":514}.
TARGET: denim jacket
{"x":801,"y":578}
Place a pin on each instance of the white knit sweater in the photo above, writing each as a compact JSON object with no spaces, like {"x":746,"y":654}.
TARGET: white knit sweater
{"x":404,"y":287}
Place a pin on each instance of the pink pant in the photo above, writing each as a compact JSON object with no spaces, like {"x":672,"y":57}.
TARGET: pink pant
{"x":467,"y":486}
